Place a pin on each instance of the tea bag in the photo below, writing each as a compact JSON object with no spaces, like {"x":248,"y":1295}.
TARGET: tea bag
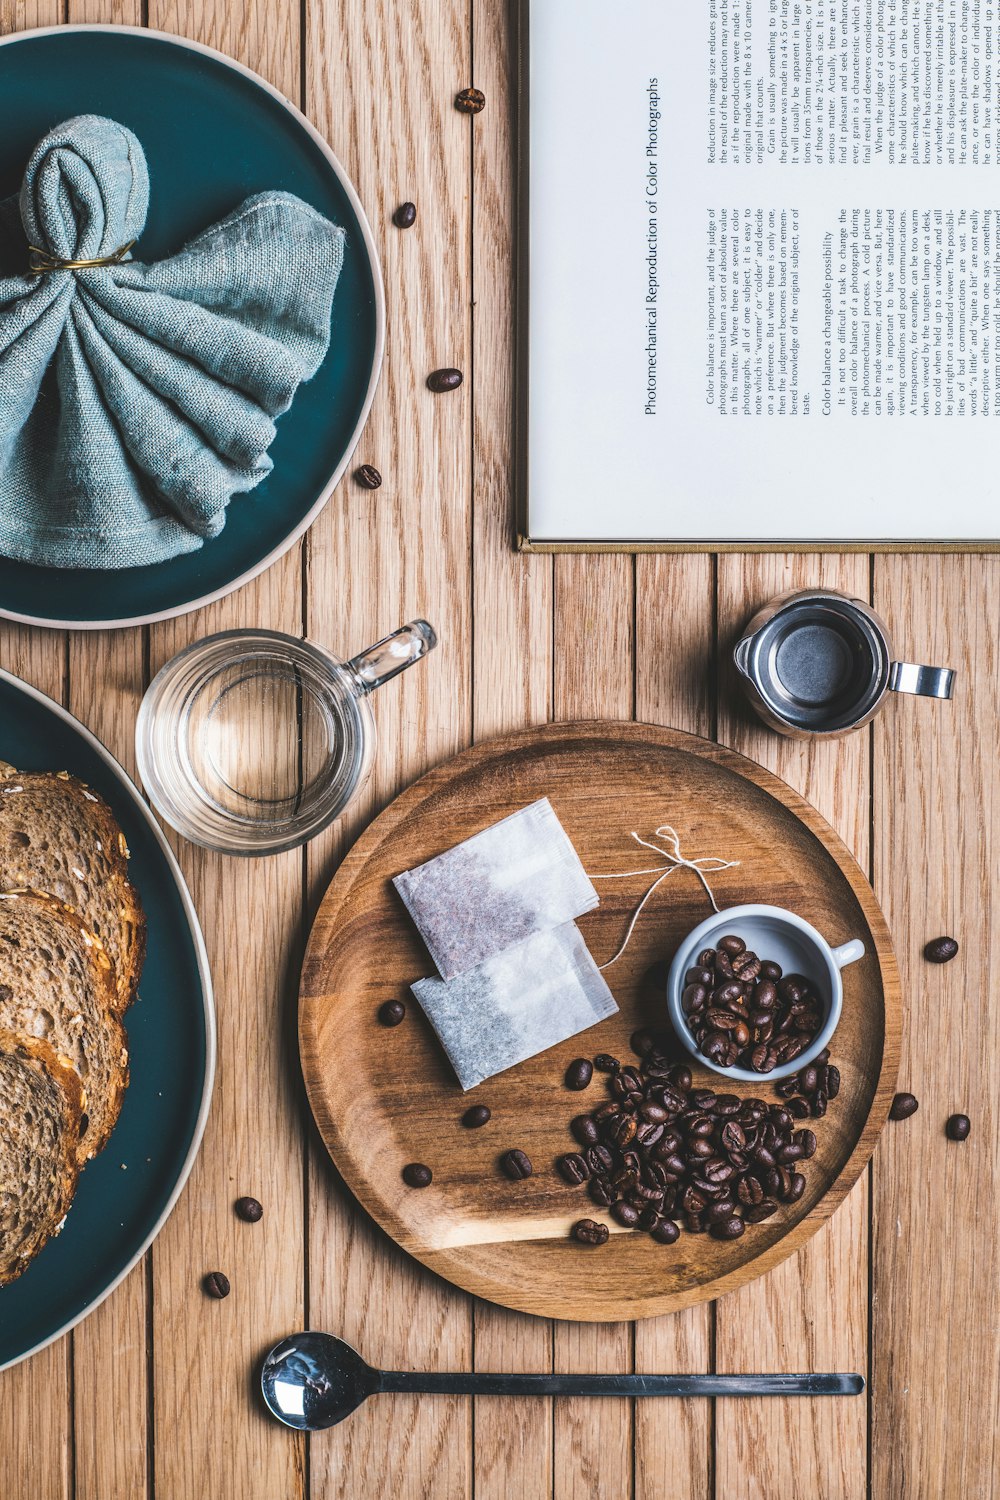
{"x":520,"y":876}
{"x":518,"y":1003}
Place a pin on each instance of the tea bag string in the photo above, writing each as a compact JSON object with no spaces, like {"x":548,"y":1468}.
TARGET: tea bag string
{"x":675,"y":861}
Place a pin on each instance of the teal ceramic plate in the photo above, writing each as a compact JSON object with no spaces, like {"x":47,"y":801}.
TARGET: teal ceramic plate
{"x":126,"y":1193}
{"x":213,"y":133}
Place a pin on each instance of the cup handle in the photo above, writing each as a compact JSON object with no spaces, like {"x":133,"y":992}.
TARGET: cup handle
{"x":928,"y":682}
{"x":848,"y":953}
{"x":392,"y":655}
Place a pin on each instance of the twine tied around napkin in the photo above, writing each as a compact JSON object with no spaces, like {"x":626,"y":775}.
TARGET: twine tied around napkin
{"x":136,"y":400}
{"x":675,"y":860}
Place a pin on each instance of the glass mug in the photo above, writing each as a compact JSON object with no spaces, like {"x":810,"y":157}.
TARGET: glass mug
{"x":252,"y":741}
{"x":815,"y":662}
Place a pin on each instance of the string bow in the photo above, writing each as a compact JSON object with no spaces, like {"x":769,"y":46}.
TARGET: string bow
{"x":675,"y":860}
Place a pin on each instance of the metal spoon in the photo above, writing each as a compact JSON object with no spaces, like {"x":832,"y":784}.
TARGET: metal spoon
{"x":314,"y":1380}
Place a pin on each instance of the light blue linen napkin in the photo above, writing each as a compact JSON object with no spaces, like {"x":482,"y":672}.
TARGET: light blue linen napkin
{"x":136,"y":400}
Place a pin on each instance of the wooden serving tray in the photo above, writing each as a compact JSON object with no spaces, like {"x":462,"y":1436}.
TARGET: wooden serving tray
{"x":384,"y":1097}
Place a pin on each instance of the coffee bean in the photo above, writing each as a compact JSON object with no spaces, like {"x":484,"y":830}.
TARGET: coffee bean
{"x":809,"y":1079}
{"x":700,"y":975}
{"x":760,"y":1211}
{"x":515,"y":1165}
{"x":770,"y":970}
{"x":625,"y":1214}
{"x":599,"y":1159}
{"x":716,"y":1212}
{"x":796,"y":1187}
{"x":368,"y":477}
{"x":590,"y":1232}
{"x":416,"y":1175}
{"x":941,"y":950}
{"x":732,"y":945}
{"x":605,"y":1063}
{"x":405,"y":216}
{"x":729,"y":1229}
{"x":798,"y":1109}
{"x":448,"y":379}
{"x":249,"y":1210}
{"x":573,"y":1167}
{"x":476,"y":1116}
{"x":216,"y":1284}
{"x":832,"y":1082}
{"x":818,"y":1107}
{"x":807,"y":1140}
{"x":903,"y":1106}
{"x":585,"y":1129}
{"x":471,"y":102}
{"x":579,"y":1073}
{"x":622,"y":1130}
{"x":665,"y":1232}
{"x":601,"y":1191}
{"x":958,"y":1127}
{"x":392,"y":1012}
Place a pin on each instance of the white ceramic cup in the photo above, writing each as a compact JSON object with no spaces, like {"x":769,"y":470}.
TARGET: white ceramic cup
{"x":783,"y":938}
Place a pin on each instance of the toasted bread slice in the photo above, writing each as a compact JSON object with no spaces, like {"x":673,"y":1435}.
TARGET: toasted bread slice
{"x":58,"y":836}
{"x":57,"y":986}
{"x":39,"y":1132}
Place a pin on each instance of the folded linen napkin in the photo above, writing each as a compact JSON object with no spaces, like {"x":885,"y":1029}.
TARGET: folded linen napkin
{"x":136,"y":400}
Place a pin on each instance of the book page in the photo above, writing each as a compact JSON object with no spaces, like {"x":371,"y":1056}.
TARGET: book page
{"x":764,"y":246}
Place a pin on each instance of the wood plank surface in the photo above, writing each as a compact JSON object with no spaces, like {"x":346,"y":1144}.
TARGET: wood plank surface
{"x":675,"y":686}
{"x":150,"y":1396}
{"x":380,"y":83}
{"x":812,"y":1312}
{"x":935,"y":1372}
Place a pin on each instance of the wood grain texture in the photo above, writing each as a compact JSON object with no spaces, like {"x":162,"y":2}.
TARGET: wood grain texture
{"x":675,"y":686}
{"x":513,"y":1446}
{"x":812,"y":1313}
{"x":380,"y":84}
{"x":594,"y":675}
{"x":936,"y":1378}
{"x":399,"y":1101}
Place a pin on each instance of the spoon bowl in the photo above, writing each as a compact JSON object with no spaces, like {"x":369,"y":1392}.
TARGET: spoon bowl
{"x":314,"y":1380}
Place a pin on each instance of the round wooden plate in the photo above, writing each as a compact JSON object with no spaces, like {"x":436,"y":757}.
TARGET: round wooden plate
{"x":384,"y":1097}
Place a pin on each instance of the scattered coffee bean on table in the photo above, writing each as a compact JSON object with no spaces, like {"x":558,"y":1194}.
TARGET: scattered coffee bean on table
{"x":405,"y":216}
{"x":958,"y":1127}
{"x":249,"y":1210}
{"x":216,"y":1284}
{"x":743,"y":1012}
{"x":392,"y":1012}
{"x":579,"y":1073}
{"x":476,"y":1116}
{"x":605,"y":1063}
{"x":590,"y":1232}
{"x":470,"y":101}
{"x":368,"y":477}
{"x":448,"y":379}
{"x":903,"y":1106}
{"x":941,"y":950}
{"x":516,"y":1165}
{"x":416,"y":1175}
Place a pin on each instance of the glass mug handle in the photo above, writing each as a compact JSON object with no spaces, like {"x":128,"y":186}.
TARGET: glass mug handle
{"x":392,"y":655}
{"x":928,"y":682}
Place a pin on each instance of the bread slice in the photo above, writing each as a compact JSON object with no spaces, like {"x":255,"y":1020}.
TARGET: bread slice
{"x":39,"y":1131}
{"x":58,"y":836}
{"x":57,"y":986}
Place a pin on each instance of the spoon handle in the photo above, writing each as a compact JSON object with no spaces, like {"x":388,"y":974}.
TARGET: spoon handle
{"x":481,"y":1383}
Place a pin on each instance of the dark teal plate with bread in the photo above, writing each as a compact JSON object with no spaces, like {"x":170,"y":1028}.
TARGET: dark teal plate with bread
{"x":125,"y":1193}
{"x":213,"y":133}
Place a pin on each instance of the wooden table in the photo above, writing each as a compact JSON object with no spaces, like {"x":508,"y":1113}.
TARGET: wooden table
{"x":151,"y":1395}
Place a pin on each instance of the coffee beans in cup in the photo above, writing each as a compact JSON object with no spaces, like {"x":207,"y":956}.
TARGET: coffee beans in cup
{"x":744,"y":1012}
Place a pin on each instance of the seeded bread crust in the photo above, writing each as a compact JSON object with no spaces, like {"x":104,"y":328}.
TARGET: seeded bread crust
{"x":57,"y":985}
{"x":39,"y":1133}
{"x":60,"y":837}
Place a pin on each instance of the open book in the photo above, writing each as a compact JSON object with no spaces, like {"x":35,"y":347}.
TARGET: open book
{"x":760,"y":272}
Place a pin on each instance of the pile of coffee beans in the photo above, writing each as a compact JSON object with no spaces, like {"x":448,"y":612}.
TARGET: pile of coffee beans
{"x":809,"y":1091}
{"x":743,"y":1012}
{"x":661,"y":1150}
